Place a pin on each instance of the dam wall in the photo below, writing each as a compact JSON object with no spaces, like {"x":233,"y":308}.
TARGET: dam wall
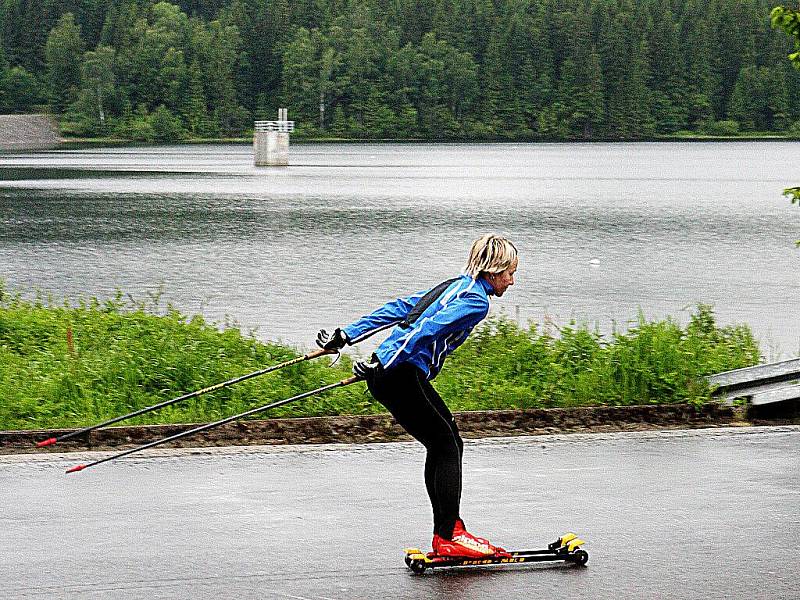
{"x":28,"y":132}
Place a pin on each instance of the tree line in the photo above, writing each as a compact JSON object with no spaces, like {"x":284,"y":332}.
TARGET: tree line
{"x":434,"y":69}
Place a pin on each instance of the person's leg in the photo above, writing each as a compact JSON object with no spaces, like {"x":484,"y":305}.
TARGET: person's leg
{"x":420,"y":410}
{"x":417,"y":408}
{"x":443,"y":468}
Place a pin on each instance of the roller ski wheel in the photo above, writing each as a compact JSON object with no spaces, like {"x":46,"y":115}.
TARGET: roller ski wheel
{"x":569,"y":545}
{"x":415,"y":560}
{"x":417,"y":567}
{"x":565,"y":549}
{"x":580,"y":557}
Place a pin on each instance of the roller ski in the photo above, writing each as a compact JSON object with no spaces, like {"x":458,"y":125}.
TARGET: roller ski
{"x":566,"y":549}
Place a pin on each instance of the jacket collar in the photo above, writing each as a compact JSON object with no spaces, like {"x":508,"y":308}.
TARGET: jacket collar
{"x":487,"y":287}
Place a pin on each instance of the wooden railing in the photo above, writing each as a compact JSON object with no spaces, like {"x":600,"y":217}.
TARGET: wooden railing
{"x":762,"y":384}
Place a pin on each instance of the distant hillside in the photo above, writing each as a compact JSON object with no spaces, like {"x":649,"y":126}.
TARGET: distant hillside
{"x":433,"y":69}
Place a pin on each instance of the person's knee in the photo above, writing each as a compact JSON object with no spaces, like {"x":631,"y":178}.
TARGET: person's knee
{"x":457,"y":436}
{"x":446,"y":444}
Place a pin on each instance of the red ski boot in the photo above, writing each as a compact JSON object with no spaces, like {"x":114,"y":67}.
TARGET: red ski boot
{"x":464,"y":544}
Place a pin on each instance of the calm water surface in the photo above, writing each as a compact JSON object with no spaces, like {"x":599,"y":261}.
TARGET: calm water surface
{"x":603,"y":229}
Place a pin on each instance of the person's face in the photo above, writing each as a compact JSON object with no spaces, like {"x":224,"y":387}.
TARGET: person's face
{"x":502,"y":281}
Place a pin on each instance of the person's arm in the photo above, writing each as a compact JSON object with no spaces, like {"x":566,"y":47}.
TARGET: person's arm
{"x":386,"y":316}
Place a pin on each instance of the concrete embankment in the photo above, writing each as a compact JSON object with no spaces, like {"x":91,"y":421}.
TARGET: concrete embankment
{"x":381,"y":428}
{"x":28,"y":132}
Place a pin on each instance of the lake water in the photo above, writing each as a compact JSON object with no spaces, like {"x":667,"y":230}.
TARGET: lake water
{"x":604,"y":230}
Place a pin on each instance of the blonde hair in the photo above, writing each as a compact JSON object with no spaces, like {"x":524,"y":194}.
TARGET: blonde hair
{"x":490,"y":253}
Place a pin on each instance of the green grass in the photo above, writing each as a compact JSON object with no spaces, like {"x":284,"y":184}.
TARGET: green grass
{"x":126,"y":355}
{"x":72,"y":365}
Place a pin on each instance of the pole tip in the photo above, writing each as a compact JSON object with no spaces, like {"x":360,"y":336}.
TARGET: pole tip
{"x":78,"y":468}
{"x":48,"y":442}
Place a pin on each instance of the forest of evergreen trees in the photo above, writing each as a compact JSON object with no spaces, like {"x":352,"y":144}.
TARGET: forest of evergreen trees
{"x":444,"y":69}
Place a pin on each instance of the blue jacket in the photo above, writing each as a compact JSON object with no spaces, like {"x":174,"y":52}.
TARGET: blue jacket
{"x":439,"y":330}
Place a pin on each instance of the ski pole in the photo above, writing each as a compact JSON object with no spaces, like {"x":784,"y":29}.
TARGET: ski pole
{"x":218,"y":386}
{"x":253,"y":411}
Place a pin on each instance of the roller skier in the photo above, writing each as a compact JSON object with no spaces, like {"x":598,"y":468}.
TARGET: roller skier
{"x":428,"y":326}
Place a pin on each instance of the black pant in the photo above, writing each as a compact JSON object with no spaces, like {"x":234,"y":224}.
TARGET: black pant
{"x":417,"y":407}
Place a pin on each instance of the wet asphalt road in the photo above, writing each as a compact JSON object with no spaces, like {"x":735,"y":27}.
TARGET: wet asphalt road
{"x":699,"y":514}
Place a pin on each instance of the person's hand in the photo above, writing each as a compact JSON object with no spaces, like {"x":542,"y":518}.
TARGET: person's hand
{"x":334,"y":341}
{"x":367,"y":370}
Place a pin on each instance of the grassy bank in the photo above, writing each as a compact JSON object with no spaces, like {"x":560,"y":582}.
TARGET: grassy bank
{"x":73,"y":365}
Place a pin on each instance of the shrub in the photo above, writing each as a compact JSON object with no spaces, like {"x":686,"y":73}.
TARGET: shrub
{"x":502,"y":365}
{"x":67,"y":366}
{"x":720,"y":128}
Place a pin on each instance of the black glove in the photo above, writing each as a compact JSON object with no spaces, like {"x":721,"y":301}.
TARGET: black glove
{"x":334,"y":341}
{"x":368,"y":370}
